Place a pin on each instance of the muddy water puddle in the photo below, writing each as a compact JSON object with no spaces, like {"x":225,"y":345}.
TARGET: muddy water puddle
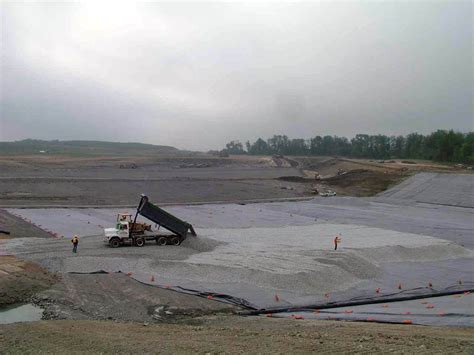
{"x":20,"y":313}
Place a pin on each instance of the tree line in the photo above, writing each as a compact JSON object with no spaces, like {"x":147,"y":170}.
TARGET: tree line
{"x":442,"y":145}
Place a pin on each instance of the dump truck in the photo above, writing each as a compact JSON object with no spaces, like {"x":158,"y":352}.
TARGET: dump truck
{"x":131,"y":232}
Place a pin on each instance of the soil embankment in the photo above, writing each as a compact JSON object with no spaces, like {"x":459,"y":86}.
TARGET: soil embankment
{"x":117,"y":296}
{"x":20,"y":280}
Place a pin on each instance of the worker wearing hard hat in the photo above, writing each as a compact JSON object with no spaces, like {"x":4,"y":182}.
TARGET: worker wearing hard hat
{"x":75,"y":243}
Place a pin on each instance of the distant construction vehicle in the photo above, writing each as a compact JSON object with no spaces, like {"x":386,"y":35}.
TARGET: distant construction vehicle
{"x":328,"y":193}
{"x":128,"y":232}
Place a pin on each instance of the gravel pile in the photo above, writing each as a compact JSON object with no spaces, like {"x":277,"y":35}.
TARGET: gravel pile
{"x":296,"y":262}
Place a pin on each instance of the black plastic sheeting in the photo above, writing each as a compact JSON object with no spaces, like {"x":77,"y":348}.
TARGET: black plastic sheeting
{"x":221,"y":297}
{"x":449,"y":310}
{"x":337,"y":310}
{"x":404,"y":295}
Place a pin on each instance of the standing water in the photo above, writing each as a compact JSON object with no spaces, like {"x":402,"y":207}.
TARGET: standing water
{"x":20,"y":313}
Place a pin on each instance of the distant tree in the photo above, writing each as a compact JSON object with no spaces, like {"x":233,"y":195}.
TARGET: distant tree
{"x":440,"y":145}
{"x":278,"y":144}
{"x":296,"y":147}
{"x":327,"y":145}
{"x":360,"y":145}
{"x":444,"y":145}
{"x":397,"y":145}
{"x":342,"y":146}
{"x":315,"y":145}
{"x":260,"y":147}
{"x":235,"y":147}
{"x":379,"y":147}
{"x":248,"y":146}
{"x":415,"y":146}
{"x":467,"y":149}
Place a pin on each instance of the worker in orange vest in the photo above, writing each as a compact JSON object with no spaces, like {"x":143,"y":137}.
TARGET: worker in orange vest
{"x":337,"y":240}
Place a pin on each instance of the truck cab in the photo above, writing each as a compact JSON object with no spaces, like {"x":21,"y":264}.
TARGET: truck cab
{"x":121,"y":230}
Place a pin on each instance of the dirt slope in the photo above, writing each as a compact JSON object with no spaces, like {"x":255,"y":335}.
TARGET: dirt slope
{"x":19,"y":280}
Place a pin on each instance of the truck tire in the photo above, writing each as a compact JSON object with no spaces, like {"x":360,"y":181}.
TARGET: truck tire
{"x":161,"y":241}
{"x":139,"y":242}
{"x":175,"y":241}
{"x":114,"y":242}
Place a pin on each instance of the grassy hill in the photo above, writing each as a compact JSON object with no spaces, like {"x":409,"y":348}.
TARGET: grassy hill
{"x":82,"y":148}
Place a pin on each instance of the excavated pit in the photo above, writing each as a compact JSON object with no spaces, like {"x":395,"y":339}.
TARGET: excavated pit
{"x":275,"y":254}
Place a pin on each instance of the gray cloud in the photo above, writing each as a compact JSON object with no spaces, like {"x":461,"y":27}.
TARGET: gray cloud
{"x":196,"y":75}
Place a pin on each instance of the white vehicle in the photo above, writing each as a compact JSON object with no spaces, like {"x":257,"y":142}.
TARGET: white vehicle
{"x":328,"y":193}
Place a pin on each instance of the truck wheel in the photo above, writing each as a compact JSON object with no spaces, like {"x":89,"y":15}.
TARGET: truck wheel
{"x":175,"y":241}
{"x":139,"y":242}
{"x":114,"y":242}
{"x":161,"y":241}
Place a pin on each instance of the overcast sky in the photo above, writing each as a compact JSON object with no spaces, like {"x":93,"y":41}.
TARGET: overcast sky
{"x":197,"y":75}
